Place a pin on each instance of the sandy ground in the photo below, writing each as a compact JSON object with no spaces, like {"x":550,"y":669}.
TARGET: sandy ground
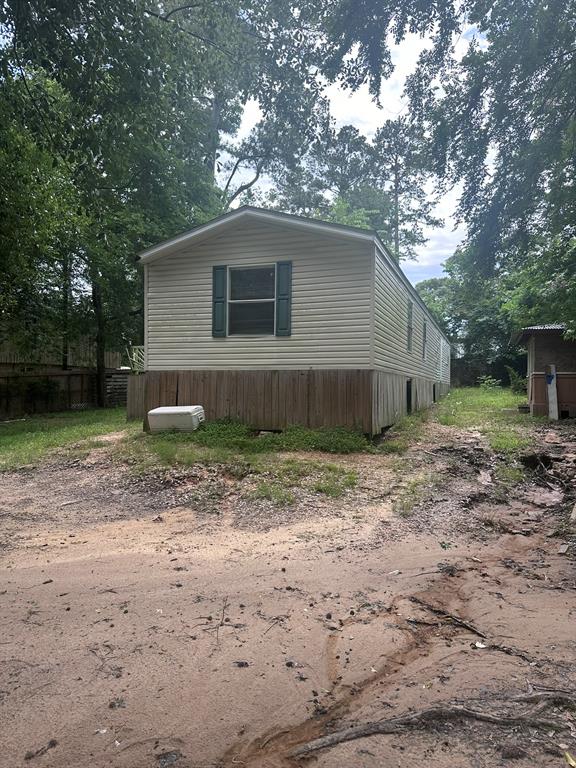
{"x":169,"y":621}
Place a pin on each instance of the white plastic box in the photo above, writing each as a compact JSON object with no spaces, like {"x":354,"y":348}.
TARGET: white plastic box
{"x":183,"y":418}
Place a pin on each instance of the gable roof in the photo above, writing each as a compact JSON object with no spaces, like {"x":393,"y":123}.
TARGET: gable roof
{"x":223,"y":222}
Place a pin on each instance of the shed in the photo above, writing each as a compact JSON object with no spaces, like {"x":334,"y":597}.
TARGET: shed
{"x":547,"y":346}
{"x":275,"y":319}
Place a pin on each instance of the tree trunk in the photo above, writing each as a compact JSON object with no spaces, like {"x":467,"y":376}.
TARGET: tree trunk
{"x":396,"y":203}
{"x":100,"y":339}
{"x":214,"y":137}
{"x":65,"y":312}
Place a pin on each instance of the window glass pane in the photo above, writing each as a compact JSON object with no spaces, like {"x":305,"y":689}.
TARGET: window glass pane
{"x":251,"y":318}
{"x":253,"y":283}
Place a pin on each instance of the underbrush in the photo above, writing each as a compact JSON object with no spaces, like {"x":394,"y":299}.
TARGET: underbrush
{"x":405,"y":433}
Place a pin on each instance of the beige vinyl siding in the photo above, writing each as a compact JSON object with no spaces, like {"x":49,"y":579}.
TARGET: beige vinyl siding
{"x":331,"y":303}
{"x":391,"y":297}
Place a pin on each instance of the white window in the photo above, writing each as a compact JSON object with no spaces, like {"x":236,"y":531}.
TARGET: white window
{"x":251,"y":301}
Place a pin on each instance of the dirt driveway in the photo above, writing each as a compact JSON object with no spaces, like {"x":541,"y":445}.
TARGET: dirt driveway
{"x":141,"y":629}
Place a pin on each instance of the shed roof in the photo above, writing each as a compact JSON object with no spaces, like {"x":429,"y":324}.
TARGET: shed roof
{"x":531,"y":330}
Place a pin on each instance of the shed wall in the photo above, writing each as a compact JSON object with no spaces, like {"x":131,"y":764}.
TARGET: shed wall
{"x":551,"y":348}
{"x":331,"y":303}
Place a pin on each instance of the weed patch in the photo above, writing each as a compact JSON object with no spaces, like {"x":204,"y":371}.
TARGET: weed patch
{"x":411,"y":493}
{"x":273,"y":492}
{"x":405,"y":433}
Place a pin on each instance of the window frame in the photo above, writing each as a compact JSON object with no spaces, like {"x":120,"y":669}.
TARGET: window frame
{"x":231,"y":268}
{"x":410,"y":325}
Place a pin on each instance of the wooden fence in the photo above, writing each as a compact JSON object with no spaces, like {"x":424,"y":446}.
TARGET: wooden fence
{"x":81,"y":354}
{"x":27,"y":393}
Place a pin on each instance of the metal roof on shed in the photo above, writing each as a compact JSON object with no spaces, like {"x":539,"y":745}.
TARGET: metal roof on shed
{"x":521,"y":336}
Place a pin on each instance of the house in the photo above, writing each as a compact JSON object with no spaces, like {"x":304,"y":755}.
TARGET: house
{"x":276,"y":319}
{"x":547,"y":347}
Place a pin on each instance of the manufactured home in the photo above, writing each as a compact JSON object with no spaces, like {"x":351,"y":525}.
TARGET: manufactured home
{"x":274,"y":319}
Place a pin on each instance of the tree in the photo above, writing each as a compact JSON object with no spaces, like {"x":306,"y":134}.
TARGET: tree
{"x":148,"y":96}
{"x":400,"y":157}
{"x":382,"y":184}
{"x":543,"y":289}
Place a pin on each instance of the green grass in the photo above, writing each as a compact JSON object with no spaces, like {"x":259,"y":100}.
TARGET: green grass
{"x":405,"y":433}
{"x":282,"y":476}
{"x":473,"y":407}
{"x":229,"y":442}
{"x":27,"y":441}
{"x":241,"y":438}
{"x":493,"y":412}
{"x":273,"y":492}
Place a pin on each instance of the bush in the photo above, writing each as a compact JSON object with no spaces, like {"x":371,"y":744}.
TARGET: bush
{"x":518,"y":383}
{"x":488,"y":383}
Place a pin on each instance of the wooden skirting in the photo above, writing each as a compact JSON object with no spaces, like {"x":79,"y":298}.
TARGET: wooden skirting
{"x":367,"y":400}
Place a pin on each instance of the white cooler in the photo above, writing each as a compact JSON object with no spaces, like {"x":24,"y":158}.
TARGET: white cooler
{"x":183,"y":418}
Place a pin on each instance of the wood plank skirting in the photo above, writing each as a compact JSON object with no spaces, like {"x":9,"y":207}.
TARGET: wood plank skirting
{"x":361,"y":399}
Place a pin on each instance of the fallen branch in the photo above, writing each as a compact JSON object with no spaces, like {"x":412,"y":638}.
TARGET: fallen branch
{"x":445,"y":615}
{"x":509,"y":651}
{"x":423,"y":719}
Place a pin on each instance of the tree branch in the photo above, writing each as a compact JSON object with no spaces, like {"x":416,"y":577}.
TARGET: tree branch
{"x":188,"y":7}
{"x":195,"y":35}
{"x":422,"y":719}
{"x":244,"y":187}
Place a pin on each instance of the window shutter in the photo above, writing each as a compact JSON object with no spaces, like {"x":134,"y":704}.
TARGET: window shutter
{"x":284,"y":298}
{"x":219,"y":301}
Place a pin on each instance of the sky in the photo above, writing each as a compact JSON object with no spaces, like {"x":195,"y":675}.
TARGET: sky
{"x":358,"y":109}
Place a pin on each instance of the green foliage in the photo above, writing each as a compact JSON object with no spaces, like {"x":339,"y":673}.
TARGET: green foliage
{"x":273,"y":492}
{"x":402,"y":167}
{"x":233,"y":436}
{"x":502,"y":127}
{"x":493,"y":411}
{"x":543,"y":288}
{"x":518,"y":383}
{"x":405,"y":433}
{"x":118,"y":117}
{"x":488,"y":383}
{"x":380,"y":186}
{"x":335,"y":481}
{"x":473,"y":407}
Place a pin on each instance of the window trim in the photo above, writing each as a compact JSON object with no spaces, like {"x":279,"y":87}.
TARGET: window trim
{"x":410,"y":326}
{"x":424,"y":339}
{"x":229,"y":301}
